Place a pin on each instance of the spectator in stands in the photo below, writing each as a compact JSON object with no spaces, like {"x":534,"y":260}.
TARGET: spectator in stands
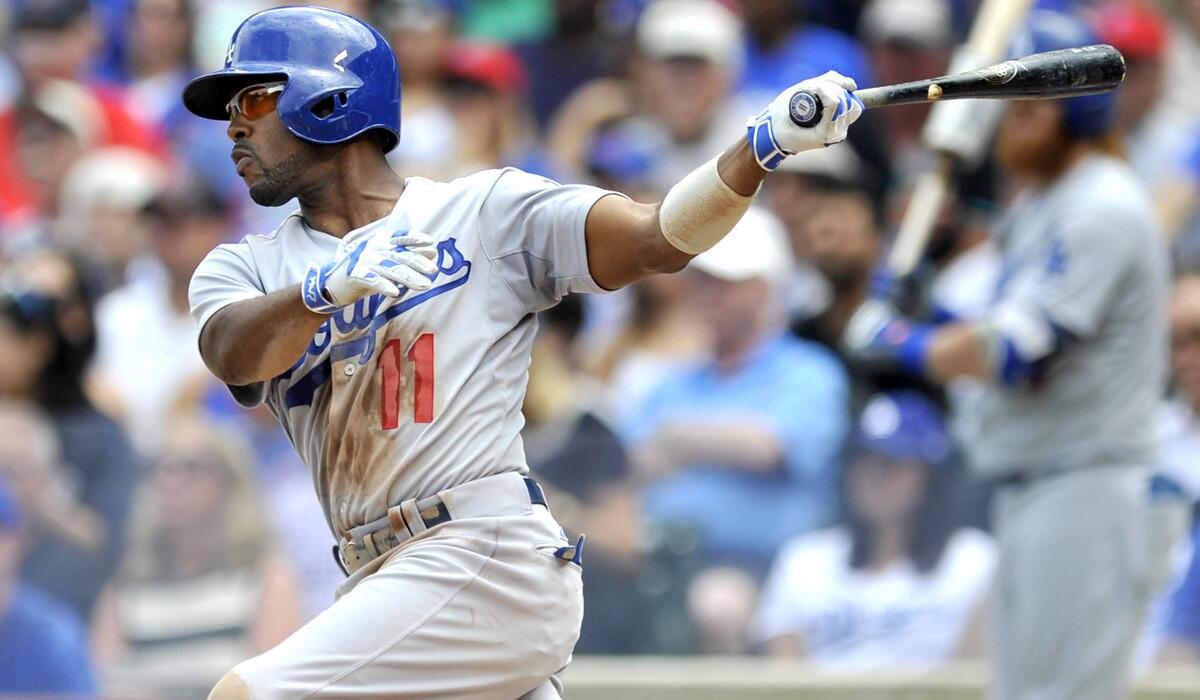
{"x":1156,"y":135}
{"x":46,"y":132}
{"x":897,"y":585}
{"x":99,"y":211}
{"x":743,"y":447}
{"x":1179,"y":208}
{"x":293,"y":514}
{"x":203,"y":585}
{"x":906,"y":40}
{"x":58,"y":40}
{"x":487,"y":84}
{"x":577,"y":457}
{"x":507,"y":21}
{"x":1181,"y":420}
{"x":30,"y":462}
{"x":144,"y":330}
{"x":1182,"y":83}
{"x":778,"y":48}
{"x":575,"y":52}
{"x":47,"y":338}
{"x":159,"y":62}
{"x":1176,"y":489}
{"x":689,"y":53}
{"x":43,"y":648}
{"x":421,"y":32}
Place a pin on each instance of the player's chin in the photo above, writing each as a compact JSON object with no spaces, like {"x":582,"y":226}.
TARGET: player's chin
{"x":267,"y":193}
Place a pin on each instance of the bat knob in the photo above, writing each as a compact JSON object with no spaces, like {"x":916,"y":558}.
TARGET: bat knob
{"x":805,"y":108}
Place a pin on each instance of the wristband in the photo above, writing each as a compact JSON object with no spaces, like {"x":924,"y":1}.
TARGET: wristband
{"x":911,"y":345}
{"x":312,"y":292}
{"x":761,"y":135}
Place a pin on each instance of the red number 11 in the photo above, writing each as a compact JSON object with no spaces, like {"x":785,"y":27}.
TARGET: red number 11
{"x":421,"y":355}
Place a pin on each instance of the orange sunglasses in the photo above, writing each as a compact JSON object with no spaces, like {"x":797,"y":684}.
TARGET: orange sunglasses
{"x":255,"y":101}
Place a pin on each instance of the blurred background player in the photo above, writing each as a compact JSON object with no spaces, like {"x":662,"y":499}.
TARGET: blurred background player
{"x":1073,"y":349}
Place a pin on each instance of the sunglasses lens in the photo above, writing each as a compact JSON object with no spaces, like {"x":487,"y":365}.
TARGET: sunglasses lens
{"x":258,"y":103}
{"x":254,"y":102}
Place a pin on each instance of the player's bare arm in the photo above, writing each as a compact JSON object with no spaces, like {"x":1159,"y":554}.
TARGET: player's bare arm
{"x":627,"y":241}
{"x":253,"y":340}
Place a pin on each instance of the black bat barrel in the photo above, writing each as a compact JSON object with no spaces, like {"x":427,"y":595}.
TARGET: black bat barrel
{"x":1050,"y":75}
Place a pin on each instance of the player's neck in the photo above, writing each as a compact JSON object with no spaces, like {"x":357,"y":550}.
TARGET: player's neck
{"x":359,"y":188}
{"x":1054,"y":169}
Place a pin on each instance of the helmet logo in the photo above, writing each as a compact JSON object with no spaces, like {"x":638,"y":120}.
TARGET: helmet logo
{"x":229,"y":55}
{"x":337,"y":60}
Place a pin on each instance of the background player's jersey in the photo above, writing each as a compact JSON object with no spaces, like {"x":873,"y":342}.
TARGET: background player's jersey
{"x":401,"y":398}
{"x":1085,"y":254}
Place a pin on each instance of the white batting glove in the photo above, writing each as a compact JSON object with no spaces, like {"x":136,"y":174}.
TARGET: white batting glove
{"x":387,"y":264}
{"x":775,"y":133}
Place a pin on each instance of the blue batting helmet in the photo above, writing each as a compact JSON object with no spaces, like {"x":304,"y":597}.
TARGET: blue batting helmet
{"x":1087,"y":116}
{"x":327,"y":58}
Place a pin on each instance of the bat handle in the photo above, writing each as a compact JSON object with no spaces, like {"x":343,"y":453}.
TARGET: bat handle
{"x":805,"y":108}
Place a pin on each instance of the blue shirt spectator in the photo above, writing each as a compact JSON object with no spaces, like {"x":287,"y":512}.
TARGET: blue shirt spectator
{"x":744,"y":445}
{"x":808,"y":51}
{"x":42,"y":644}
{"x":42,"y":647}
{"x":794,"y":389}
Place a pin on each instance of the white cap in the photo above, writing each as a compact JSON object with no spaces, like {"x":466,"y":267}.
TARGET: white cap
{"x":924,"y":23}
{"x":690,"y":28}
{"x":756,"y":248}
{"x":116,"y":177}
{"x":838,"y":162}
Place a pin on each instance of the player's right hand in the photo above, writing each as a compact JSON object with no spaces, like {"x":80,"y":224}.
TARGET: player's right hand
{"x":387,"y":264}
{"x":773,"y":134}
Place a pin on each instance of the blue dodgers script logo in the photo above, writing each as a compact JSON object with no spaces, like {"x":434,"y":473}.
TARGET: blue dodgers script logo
{"x":366,"y":315}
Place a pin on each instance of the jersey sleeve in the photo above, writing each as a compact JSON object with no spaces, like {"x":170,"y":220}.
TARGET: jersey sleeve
{"x":532,"y":230}
{"x":1072,"y":282}
{"x":227,"y":275}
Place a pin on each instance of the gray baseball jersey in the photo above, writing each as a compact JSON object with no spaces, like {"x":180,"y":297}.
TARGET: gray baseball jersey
{"x":401,"y":398}
{"x":1085,"y":255}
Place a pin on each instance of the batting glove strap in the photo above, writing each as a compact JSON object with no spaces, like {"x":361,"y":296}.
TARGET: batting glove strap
{"x":312,"y":291}
{"x":761,"y":136}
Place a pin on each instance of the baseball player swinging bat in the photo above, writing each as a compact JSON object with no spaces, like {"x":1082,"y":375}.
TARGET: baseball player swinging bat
{"x":1042,"y":76}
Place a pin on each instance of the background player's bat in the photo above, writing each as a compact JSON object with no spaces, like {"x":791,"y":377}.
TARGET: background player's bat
{"x":956,"y":131}
{"x":1050,"y":75}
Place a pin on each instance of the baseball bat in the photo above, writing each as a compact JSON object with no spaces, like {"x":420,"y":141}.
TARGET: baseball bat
{"x":1041,"y":76}
{"x":991,"y":33}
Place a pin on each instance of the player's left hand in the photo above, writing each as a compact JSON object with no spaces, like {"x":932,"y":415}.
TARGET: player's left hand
{"x":774,"y":135}
{"x":878,"y":337}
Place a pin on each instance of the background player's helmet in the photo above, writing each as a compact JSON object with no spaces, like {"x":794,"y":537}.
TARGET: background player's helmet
{"x":329,"y":59}
{"x":1087,"y":116}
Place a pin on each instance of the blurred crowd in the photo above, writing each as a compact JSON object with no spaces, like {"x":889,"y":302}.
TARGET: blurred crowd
{"x":744,"y":489}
